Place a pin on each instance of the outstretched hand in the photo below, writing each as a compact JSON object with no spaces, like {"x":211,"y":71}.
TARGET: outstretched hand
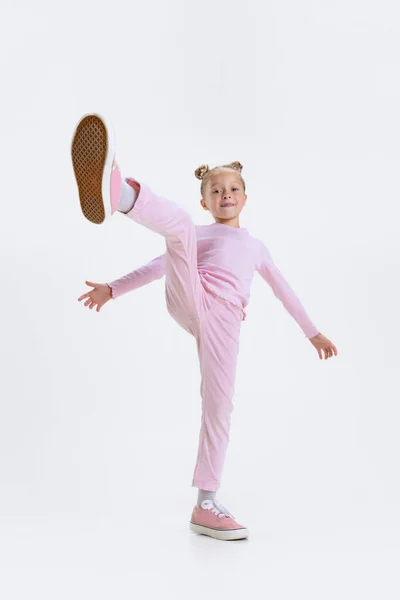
{"x":99,"y":295}
{"x":321,"y":343}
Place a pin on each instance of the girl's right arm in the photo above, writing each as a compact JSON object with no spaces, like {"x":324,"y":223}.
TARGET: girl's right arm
{"x":149,"y":272}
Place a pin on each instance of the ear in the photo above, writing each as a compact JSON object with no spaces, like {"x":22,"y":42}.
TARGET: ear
{"x":203,"y":204}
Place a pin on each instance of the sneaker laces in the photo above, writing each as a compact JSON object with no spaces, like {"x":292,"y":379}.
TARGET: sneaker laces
{"x":217,"y":508}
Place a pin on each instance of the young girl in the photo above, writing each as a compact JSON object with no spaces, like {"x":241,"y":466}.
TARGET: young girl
{"x":208,"y":273}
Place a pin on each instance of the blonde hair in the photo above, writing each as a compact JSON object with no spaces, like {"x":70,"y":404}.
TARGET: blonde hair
{"x":204,"y":173}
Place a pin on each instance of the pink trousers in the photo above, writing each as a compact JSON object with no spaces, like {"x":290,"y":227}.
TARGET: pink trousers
{"x":213,"y":322}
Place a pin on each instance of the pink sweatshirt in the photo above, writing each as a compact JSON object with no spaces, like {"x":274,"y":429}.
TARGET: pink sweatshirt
{"x":227,"y":258}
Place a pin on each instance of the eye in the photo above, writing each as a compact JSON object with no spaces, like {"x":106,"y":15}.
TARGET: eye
{"x":235,"y":188}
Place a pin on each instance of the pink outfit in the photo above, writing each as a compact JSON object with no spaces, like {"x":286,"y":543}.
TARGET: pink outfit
{"x":209,"y":270}
{"x":226,"y":260}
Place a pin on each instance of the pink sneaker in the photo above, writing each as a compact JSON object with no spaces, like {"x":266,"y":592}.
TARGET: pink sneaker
{"x":96,"y":172}
{"x":211,"y":518}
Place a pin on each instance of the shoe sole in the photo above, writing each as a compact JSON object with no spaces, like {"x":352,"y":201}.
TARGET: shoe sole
{"x":92,"y":152}
{"x":220,"y":534}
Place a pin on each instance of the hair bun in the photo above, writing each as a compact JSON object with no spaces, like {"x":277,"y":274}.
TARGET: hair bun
{"x":236,"y":165}
{"x":201,"y":171}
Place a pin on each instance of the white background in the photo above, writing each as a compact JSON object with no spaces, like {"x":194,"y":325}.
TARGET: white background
{"x":100,"y":412}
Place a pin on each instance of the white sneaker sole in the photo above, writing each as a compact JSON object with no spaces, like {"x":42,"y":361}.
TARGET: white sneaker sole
{"x":220,"y":534}
{"x":92,"y":152}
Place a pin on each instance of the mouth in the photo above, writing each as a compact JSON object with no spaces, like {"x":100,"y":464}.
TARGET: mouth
{"x":227,"y":204}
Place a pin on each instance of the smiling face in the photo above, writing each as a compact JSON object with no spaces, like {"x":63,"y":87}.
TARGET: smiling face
{"x":224,"y":196}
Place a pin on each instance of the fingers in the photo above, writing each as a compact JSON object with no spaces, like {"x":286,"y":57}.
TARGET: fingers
{"x":328,"y":350}
{"x":90,"y":302}
{"x":88,"y":293}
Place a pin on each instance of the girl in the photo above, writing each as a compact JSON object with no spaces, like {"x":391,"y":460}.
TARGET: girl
{"x":208,"y":273}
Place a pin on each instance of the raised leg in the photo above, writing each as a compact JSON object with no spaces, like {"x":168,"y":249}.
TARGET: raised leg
{"x":184,"y":291}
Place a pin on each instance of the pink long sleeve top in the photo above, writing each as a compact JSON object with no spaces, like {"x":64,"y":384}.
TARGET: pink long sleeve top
{"x":227,"y":258}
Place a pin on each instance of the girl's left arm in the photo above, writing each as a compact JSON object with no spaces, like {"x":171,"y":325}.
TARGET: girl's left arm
{"x":283,"y":291}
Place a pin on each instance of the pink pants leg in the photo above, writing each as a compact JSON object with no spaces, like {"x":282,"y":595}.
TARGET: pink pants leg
{"x":214,"y":323}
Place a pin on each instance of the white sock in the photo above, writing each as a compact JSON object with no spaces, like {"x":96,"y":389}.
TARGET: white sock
{"x":127,"y":197}
{"x":205,"y":495}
